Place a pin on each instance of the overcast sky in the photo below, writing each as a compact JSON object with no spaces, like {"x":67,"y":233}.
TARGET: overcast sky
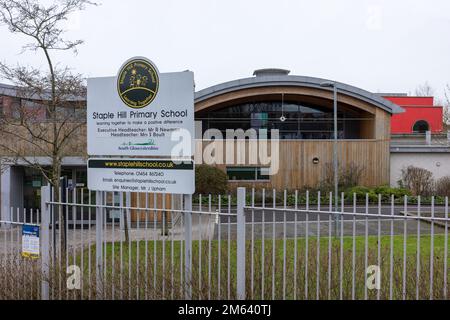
{"x":380,"y":46}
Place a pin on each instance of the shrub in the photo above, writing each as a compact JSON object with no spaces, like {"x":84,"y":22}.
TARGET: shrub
{"x":361,"y":193}
{"x":386,"y":192}
{"x":418,"y":180}
{"x":210,"y":180}
{"x":349,"y":176}
{"x":443,"y":186}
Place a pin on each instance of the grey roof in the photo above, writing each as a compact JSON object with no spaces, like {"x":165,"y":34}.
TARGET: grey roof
{"x":296,"y":81}
{"x":392,"y":94}
{"x":420,"y":149}
{"x":12,"y":91}
{"x":271,"y":72}
{"x":8,"y":90}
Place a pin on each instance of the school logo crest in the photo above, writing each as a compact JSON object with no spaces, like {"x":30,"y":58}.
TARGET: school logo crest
{"x":138,"y":82}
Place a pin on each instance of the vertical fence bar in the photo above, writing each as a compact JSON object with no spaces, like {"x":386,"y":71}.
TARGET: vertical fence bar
{"x":366,"y":245}
{"x":418,"y":248}
{"x":188,"y":245}
{"x":138,"y":265}
{"x":172,"y":206}
{"x":240,"y":276}
{"x":60,"y":227}
{"x":446,"y":246}
{"x":379,"y":240}
{"x":45,"y":242}
{"x":295,"y":245}
{"x":274,"y":203}
{"x":229,"y":250}
{"x":209,"y":246}
{"x":66,"y":236}
{"x":82,"y":243}
{"x":354,"y":247}
{"x":98,"y":242}
{"x":199,"y":226}
{"x":121,"y":226}
{"x":182,"y":286}
{"x":391,"y":257}
{"x":432,"y":248}
{"x":18,"y":229}
{"x":318,"y":248}
{"x":155,"y":235}
{"x":252,"y":245}
{"x":405,"y":234}
{"x":284,"y":244}
{"x":330,"y":209}
{"x":306,"y":243}
{"x":262,"y":241}
{"x":341,"y":257}
{"x":5,"y":248}
{"x":146,"y":248}
{"x":164,"y":233}
{"x":74,"y":226}
{"x":105,"y":252}
{"x":89,"y":246}
{"x":219,"y":246}
{"x":113,"y":251}
{"x":31,"y":265}
{"x":11,"y":245}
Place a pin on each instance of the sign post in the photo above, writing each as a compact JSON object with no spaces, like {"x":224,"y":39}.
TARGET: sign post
{"x":140,"y":138}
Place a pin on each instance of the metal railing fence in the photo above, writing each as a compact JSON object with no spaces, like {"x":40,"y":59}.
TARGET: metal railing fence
{"x":259,"y":244}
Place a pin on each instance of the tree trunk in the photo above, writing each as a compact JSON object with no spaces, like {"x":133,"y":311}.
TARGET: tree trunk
{"x":57,"y":192}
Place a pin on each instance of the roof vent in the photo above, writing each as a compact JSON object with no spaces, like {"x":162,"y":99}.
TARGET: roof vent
{"x":271,"y":72}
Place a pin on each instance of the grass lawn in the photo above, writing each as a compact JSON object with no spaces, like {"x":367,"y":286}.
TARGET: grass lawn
{"x":302,"y":275}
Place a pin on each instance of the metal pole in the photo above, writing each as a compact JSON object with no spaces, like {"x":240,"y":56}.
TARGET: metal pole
{"x":99,"y":242}
{"x":188,"y":245}
{"x":240,"y":254}
{"x":335,"y":158}
{"x":45,"y":242}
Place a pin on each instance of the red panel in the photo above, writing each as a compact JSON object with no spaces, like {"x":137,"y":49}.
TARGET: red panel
{"x":411,"y":101}
{"x":404,"y":122}
{"x":416,"y":108}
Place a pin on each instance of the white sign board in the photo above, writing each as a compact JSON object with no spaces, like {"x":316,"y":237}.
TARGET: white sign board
{"x":141,"y":112}
{"x":30,"y":241}
{"x":141,"y":175}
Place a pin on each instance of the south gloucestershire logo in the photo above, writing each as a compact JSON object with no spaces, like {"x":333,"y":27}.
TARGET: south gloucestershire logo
{"x":137,"y":83}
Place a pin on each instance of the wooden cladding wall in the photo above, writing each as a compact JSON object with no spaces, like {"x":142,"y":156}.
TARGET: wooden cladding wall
{"x":296,"y":168}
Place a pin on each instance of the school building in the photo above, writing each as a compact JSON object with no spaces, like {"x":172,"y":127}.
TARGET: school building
{"x":300,"y":107}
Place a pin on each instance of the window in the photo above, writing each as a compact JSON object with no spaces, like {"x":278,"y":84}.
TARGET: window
{"x":247,"y":173}
{"x":301,"y":121}
{"x":421,"y":126}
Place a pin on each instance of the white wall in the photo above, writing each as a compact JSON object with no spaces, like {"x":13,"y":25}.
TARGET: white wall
{"x":11,"y":193}
{"x":5,"y":198}
{"x":437,"y":163}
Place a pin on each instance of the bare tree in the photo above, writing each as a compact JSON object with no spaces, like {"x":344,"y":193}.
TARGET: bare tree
{"x":424,"y":90}
{"x":48,"y":115}
{"x":418,"y":180}
{"x":446,"y":106}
